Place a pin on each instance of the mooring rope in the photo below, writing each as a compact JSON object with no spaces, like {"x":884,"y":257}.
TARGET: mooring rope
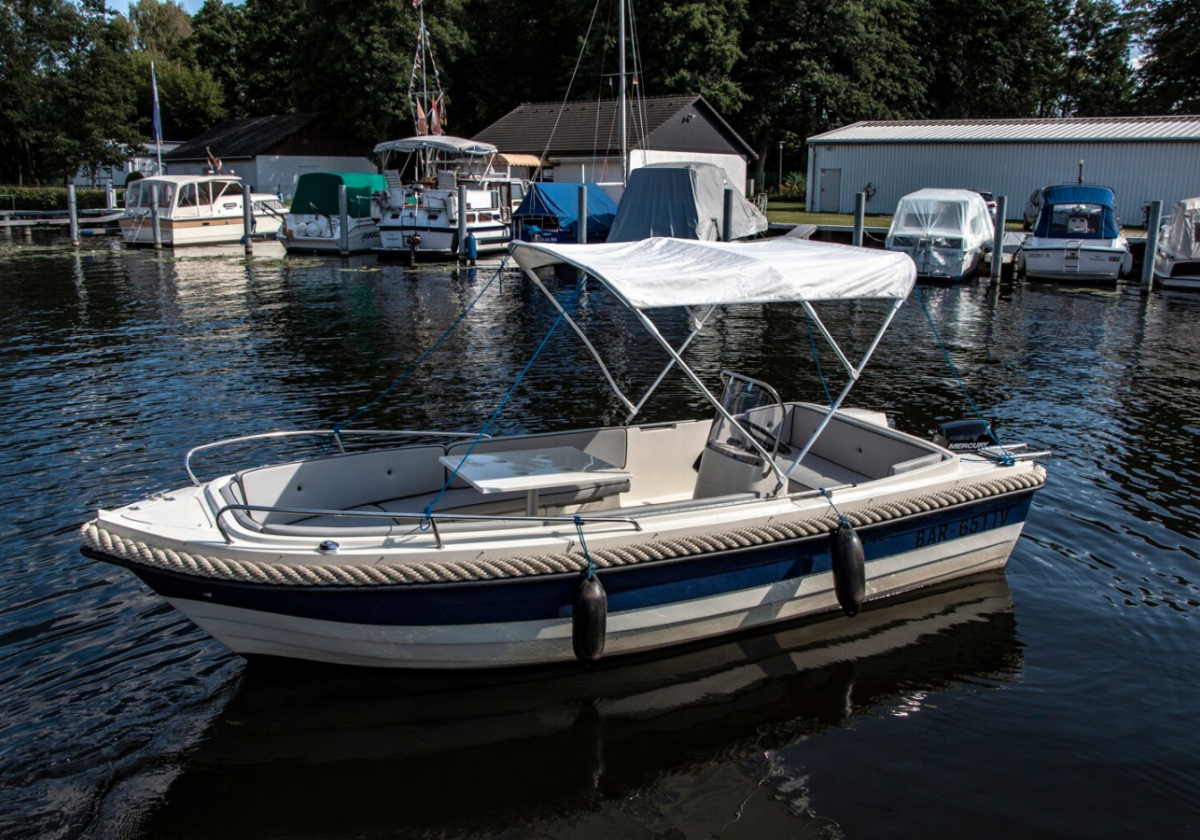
{"x":98,"y":538}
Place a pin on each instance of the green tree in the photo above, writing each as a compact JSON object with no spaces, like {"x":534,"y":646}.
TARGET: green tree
{"x":217,"y":45}
{"x":161,"y":28}
{"x":1170,"y":71}
{"x":190,"y":100}
{"x":271,"y":57}
{"x":692,"y":47}
{"x":1098,"y":79}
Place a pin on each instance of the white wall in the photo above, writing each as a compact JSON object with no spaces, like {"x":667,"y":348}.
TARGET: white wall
{"x":1137,"y":172}
{"x":278,"y":173}
{"x":734,"y":165}
{"x":608,"y":170}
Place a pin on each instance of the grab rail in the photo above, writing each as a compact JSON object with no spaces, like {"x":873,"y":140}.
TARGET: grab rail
{"x":336,"y":434}
{"x":431,"y":517}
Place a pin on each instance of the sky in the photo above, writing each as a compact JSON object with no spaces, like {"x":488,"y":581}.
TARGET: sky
{"x":122,"y":6}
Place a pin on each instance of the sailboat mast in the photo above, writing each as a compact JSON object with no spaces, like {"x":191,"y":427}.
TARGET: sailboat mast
{"x":621,"y":92}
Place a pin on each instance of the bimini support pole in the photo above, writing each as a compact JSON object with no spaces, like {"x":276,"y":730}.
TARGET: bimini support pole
{"x":579,"y":332}
{"x":855,"y":373}
{"x":766,"y":456}
{"x":682,"y":347}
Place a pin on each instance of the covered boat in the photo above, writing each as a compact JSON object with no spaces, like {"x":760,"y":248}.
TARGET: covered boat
{"x":1076,"y":237}
{"x":684,"y":201}
{"x":550,"y":213}
{"x":464,"y":551}
{"x":944,"y":231}
{"x":1177,"y":263}
{"x":313,"y":222}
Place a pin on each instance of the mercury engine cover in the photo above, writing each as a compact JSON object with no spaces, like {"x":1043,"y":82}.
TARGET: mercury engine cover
{"x":963,"y":435}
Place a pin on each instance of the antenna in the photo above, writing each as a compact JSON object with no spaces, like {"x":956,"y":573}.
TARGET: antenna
{"x":621,"y":93}
{"x":1081,"y":172}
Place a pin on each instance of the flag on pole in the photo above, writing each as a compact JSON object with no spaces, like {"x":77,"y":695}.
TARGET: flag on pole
{"x":435,"y":119}
{"x":156,"y":133}
{"x":422,"y":126}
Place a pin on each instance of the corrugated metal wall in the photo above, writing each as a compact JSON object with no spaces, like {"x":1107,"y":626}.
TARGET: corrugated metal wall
{"x":1137,"y":172}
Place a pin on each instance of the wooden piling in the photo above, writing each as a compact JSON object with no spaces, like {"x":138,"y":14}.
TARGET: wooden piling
{"x":1152,"y":227}
{"x":155,"y":226}
{"x":998,"y":237}
{"x":247,"y":219}
{"x":73,"y":215}
{"x":860,"y":212}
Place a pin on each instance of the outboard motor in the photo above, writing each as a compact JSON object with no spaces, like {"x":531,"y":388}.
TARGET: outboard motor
{"x":964,"y":435}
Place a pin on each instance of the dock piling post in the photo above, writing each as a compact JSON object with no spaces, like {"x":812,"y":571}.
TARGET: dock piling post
{"x":462,"y":222}
{"x":582,"y":222}
{"x":998,"y":237}
{"x":1151,"y":245}
{"x":343,"y":222}
{"x":247,"y":219}
{"x":860,"y":212}
{"x":110,"y":195}
{"x":73,"y":215}
{"x":155,"y":227}
{"x":727,"y":222}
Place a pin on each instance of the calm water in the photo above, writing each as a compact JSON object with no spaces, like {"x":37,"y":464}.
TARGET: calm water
{"x":1057,"y":699}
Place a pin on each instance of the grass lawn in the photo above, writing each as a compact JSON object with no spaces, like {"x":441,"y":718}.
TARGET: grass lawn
{"x":793,"y":212}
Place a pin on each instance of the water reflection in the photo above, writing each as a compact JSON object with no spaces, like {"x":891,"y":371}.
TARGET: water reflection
{"x":300,"y":753}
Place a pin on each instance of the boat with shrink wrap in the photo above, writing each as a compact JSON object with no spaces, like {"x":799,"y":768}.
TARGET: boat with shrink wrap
{"x":459,"y":551}
{"x":1177,"y":263}
{"x":944,"y":231}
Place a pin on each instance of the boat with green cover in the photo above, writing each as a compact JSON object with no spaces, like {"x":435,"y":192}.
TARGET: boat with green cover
{"x":314,"y":222}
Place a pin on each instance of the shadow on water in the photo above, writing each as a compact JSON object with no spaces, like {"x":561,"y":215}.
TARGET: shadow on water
{"x":304,"y":752}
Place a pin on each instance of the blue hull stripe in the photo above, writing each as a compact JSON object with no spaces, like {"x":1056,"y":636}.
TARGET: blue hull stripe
{"x":550,"y":596}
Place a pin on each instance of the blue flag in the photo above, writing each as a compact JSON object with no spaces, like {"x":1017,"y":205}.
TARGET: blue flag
{"x":156,"y":129}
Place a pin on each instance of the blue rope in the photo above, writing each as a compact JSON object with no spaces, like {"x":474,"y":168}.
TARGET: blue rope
{"x":496,"y":413}
{"x":1008,"y":460}
{"x":591,"y":569}
{"x":813,"y":341}
{"x":843,"y":520}
{"x":424,"y":356}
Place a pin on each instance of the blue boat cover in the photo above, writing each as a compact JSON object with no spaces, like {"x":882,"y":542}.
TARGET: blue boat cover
{"x":561,"y":201}
{"x":1072,"y":194}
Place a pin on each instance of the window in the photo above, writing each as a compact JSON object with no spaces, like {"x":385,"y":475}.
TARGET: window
{"x":1076,"y":219}
{"x":187,"y":196}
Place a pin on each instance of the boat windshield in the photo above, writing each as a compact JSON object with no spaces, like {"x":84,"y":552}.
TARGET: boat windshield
{"x":140,"y":194}
{"x":1069,"y":219}
{"x":758,"y":411}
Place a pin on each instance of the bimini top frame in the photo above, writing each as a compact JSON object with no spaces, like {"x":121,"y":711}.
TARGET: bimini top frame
{"x":663,"y":273}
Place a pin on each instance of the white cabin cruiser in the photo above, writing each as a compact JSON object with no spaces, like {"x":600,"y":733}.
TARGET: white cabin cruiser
{"x":423,"y":217}
{"x":314,"y":221}
{"x":196,"y":210}
{"x":944,"y":231}
{"x":462,"y":551}
{"x":1177,"y":263}
{"x":1076,"y":237}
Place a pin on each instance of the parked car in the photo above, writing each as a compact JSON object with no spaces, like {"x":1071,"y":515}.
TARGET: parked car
{"x":1032,"y":209}
{"x":989,"y":199}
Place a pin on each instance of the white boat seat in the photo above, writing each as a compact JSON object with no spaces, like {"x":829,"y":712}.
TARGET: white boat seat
{"x":469,"y":500}
{"x":815,"y":472}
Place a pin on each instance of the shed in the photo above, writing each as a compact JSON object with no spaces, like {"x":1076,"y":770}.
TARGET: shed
{"x":270,"y":153}
{"x":581,"y":141}
{"x":1141,"y":158}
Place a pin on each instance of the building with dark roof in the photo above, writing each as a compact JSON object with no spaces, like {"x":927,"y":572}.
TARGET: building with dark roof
{"x":1141,"y":158}
{"x":580,"y":141}
{"x":269,"y":153}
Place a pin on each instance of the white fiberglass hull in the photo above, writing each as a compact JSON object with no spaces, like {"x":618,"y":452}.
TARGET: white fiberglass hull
{"x":1090,"y":261}
{"x":139,"y":231}
{"x":473,"y":646}
{"x":364,"y":236}
{"x":442,"y":241}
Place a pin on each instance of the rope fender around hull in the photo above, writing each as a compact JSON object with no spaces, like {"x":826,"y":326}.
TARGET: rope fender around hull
{"x":102,"y":541}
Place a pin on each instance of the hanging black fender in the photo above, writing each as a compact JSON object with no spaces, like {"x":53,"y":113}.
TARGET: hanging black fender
{"x":589,"y":619}
{"x":849,"y":569}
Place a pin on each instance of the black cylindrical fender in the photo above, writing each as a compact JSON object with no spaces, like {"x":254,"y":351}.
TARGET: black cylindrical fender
{"x":589,"y":619}
{"x":849,"y":569}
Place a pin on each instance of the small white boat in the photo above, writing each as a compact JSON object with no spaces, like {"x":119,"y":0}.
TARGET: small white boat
{"x":1177,"y":263}
{"x":944,"y":231}
{"x":313,"y":223}
{"x":423,"y":217}
{"x":195,"y":210}
{"x":461,"y":551}
{"x":1076,"y":238}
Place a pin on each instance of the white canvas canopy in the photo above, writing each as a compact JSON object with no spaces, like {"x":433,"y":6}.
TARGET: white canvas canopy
{"x":437,"y":143}
{"x":943,"y":214}
{"x":683,"y":200}
{"x":1183,"y":236}
{"x":660,"y":272}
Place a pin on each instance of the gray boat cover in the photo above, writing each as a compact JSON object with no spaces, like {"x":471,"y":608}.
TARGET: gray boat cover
{"x":684,"y":201}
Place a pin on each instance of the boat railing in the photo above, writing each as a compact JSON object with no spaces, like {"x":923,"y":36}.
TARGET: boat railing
{"x":336,"y":435}
{"x":432,"y":517}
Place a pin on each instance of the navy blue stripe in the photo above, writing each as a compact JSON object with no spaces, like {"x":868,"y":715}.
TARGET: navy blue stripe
{"x":633,"y":587}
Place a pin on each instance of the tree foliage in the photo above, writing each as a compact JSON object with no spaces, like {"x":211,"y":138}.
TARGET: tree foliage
{"x":1170,"y":72}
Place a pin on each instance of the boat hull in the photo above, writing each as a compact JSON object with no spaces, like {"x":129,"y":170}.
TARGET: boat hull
{"x":1078,"y":263}
{"x":527,"y":620}
{"x":442,"y":242}
{"x":180,"y":232}
{"x":363,"y":238}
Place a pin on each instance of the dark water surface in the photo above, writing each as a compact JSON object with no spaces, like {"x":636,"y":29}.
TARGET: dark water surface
{"x":1057,"y":699}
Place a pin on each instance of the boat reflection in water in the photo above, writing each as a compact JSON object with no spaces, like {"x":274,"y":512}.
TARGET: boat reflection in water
{"x":298,"y":753}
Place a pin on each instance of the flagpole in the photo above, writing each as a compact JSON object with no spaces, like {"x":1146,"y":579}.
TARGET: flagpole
{"x":156,"y":121}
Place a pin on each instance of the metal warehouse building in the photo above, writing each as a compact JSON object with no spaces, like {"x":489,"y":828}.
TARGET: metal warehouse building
{"x":1141,"y":158}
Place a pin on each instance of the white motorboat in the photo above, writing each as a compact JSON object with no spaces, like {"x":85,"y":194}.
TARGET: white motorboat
{"x":1076,"y":237}
{"x":313,"y":223}
{"x":1177,"y":263}
{"x":944,"y":231}
{"x":195,"y":210}
{"x":423,"y":217}
{"x":462,"y":551}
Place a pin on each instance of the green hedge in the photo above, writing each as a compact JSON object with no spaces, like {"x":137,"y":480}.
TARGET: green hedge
{"x":50,"y":198}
